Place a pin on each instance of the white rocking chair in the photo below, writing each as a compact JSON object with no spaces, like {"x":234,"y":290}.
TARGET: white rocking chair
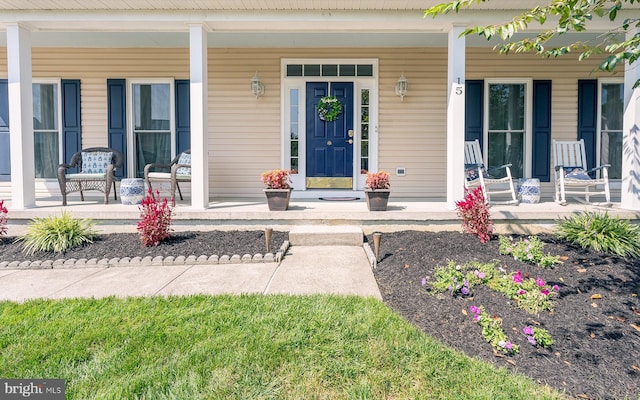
{"x":477,"y":175}
{"x":572,"y":176}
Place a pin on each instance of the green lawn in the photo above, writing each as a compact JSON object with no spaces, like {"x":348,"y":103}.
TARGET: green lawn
{"x":242,"y":347}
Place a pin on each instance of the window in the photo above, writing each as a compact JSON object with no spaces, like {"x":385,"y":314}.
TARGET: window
{"x":364,"y":131}
{"x":152,"y":125}
{"x":507,"y":127}
{"x":610,"y":122}
{"x":46,"y":136}
{"x":295,"y":130}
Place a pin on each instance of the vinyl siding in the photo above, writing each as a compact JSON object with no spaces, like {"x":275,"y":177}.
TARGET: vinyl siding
{"x":245,"y":132}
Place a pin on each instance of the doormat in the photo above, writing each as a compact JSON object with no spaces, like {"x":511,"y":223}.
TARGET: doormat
{"x":339,"y":198}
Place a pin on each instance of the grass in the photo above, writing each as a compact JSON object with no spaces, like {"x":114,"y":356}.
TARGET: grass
{"x":57,"y":234}
{"x":241,"y":347}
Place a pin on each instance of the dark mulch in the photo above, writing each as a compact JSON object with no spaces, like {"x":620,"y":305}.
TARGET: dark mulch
{"x":596,"y":354}
{"x":180,"y":244}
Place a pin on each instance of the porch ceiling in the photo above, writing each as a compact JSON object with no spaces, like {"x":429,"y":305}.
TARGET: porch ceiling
{"x":246,"y":5}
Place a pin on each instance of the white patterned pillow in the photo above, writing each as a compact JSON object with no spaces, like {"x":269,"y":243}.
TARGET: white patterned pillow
{"x":184,"y":159}
{"x":96,"y":162}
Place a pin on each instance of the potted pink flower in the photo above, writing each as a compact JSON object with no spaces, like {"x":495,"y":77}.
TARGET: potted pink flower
{"x":377,"y":190}
{"x":277,"y":188}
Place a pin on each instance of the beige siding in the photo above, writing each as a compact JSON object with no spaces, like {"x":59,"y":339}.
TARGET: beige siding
{"x":245,"y":132}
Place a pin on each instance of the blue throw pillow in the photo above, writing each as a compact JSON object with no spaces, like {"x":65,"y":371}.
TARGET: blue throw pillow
{"x":96,"y":162}
{"x":576,"y":173}
{"x":471,"y":172}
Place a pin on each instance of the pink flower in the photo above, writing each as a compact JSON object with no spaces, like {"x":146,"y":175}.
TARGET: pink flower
{"x":521,"y":292}
{"x":540,"y":282}
{"x":556,"y":288}
{"x":545,"y":292}
{"x":517,"y":277}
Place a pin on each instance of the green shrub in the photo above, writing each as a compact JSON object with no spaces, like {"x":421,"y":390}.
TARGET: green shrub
{"x":601,"y":232}
{"x":57,"y":234}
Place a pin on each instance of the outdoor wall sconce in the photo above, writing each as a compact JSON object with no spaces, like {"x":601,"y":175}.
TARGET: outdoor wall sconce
{"x":401,"y":87}
{"x":257,"y":88}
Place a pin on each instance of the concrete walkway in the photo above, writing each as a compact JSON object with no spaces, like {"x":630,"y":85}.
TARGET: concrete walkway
{"x":304,"y":270}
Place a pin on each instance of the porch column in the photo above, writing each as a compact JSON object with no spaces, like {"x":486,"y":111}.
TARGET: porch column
{"x":455,"y":115}
{"x":630,"y":187}
{"x":23,"y":192}
{"x":199,"y":117}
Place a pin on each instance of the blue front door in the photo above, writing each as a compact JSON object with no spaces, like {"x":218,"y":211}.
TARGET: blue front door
{"x":329,"y":148}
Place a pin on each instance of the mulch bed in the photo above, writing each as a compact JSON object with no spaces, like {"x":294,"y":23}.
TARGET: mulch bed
{"x":596,"y":350}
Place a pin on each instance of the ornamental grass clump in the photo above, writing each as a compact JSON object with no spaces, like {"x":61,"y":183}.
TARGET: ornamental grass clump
{"x":601,"y":232}
{"x":528,"y":250}
{"x":3,"y":219}
{"x":57,"y":234}
{"x":474,"y":211}
{"x":155,"y":223}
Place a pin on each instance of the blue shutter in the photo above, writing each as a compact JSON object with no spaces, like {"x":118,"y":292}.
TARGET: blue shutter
{"x":117,"y":118}
{"x":71,"y":124}
{"x":183,"y":115}
{"x":5,"y":161}
{"x":587,"y":117}
{"x":474,"y":111}
{"x":541,"y":151}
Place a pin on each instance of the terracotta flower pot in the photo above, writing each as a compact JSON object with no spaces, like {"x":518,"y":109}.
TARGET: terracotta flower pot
{"x":278,"y":199}
{"x":377,"y":199}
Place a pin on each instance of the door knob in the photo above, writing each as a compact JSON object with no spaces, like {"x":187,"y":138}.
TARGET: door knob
{"x":350,"y":141}
{"x":350,"y":133}
{"x":329,"y":143}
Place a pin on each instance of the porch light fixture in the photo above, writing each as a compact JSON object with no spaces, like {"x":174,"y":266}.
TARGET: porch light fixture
{"x":257,"y":88}
{"x":401,"y":87}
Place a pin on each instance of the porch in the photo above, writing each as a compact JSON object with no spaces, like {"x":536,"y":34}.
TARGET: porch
{"x":430,"y":214}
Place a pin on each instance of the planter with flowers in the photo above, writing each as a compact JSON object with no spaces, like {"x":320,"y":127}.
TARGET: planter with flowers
{"x":377,"y":191}
{"x":277,"y":188}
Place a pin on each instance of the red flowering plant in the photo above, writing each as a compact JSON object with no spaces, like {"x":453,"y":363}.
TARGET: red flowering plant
{"x":378,"y":180}
{"x":276,"y":179}
{"x":155,"y":223}
{"x":474,"y":211}
{"x":3,"y":218}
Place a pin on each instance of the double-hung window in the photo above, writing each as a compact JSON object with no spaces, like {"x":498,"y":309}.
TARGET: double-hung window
{"x":507,"y":122}
{"x":153,"y":134}
{"x":46,"y":134}
{"x":610,"y":126}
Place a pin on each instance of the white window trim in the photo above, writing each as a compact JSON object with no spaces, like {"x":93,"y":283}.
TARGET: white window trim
{"x":614,"y":183}
{"x":130,"y":124}
{"x":58,"y":82}
{"x":528,"y":123}
{"x":299,"y":82}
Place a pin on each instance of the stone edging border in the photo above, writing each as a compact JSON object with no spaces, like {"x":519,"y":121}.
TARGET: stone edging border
{"x":149,"y":261}
{"x":370,"y":255}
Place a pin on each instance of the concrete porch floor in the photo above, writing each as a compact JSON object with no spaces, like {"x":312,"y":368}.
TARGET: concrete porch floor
{"x":253,"y":213}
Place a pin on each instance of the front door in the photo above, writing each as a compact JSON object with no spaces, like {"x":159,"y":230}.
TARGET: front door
{"x":329,"y":143}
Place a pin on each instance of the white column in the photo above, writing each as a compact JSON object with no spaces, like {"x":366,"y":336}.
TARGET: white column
{"x":199,"y":117}
{"x":23,"y":192}
{"x":630,"y":188}
{"x":455,"y":116}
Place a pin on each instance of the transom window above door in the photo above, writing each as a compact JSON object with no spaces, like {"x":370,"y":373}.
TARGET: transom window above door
{"x":329,"y":70}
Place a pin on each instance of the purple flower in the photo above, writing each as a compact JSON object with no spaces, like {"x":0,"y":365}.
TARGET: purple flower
{"x":449,"y":287}
{"x":466,"y":283}
{"x":527,"y":330}
{"x":556,"y":288}
{"x":532,"y":340}
{"x":464,"y":291}
{"x":424,"y":281}
{"x":474,"y":309}
{"x":540,"y":282}
{"x":480,"y":274}
{"x":476,"y":317}
{"x":508,"y":345}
